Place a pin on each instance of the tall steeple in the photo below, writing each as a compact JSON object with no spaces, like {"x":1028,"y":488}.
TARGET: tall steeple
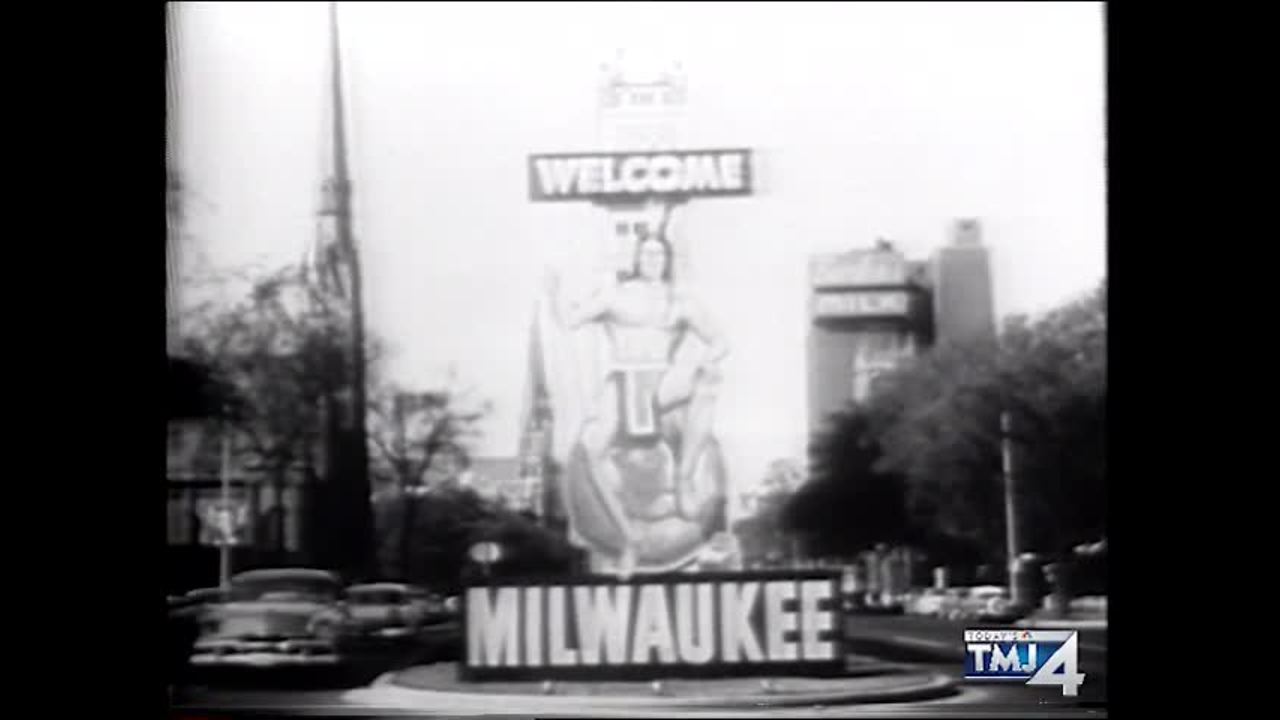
{"x":345,"y":522}
{"x":173,"y":180}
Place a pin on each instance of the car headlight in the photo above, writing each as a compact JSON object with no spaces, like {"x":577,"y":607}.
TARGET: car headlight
{"x":323,"y":627}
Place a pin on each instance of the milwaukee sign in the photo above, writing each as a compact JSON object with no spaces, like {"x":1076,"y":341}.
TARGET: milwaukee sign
{"x":700,"y":625}
{"x":633,"y":177}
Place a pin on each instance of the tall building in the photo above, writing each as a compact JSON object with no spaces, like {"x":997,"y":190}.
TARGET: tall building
{"x":869,"y":309}
{"x":872,"y":308}
{"x":963,"y":306}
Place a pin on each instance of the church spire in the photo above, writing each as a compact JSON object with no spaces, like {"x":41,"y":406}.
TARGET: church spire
{"x":336,"y":278}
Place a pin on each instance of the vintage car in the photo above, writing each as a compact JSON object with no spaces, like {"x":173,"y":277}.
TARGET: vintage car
{"x":202,"y":598}
{"x":393,"y":610}
{"x":986,"y":603}
{"x":277,"y":617}
{"x":990,"y":603}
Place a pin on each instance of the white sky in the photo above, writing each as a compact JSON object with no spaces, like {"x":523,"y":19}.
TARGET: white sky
{"x":866,"y":120}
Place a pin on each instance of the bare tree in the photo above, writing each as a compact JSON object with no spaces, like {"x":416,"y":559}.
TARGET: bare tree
{"x":277,"y":343}
{"x":412,"y":434}
{"x":411,"y":430}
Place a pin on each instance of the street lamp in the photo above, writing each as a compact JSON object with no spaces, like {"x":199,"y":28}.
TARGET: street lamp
{"x":1010,"y":502}
{"x":224,"y":470}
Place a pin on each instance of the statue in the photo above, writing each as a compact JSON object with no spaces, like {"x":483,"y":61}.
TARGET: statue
{"x":646,"y":488}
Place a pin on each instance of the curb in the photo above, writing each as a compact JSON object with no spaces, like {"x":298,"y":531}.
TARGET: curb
{"x":905,"y":650}
{"x":385,"y":690}
{"x":1065,"y":624}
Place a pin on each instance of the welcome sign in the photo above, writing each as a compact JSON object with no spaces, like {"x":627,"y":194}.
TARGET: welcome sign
{"x":634,"y":177}
{"x":670,"y":626}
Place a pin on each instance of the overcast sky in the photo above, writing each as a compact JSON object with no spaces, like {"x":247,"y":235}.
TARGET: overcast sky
{"x":866,"y":120}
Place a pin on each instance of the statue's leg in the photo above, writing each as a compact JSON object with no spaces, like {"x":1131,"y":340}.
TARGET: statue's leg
{"x":596,"y":440}
{"x":697,"y":430}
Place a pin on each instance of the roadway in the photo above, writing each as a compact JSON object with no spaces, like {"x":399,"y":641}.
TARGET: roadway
{"x":939,"y":644}
{"x":920,"y":643}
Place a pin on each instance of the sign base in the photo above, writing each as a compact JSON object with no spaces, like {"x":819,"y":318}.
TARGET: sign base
{"x":671,"y":626}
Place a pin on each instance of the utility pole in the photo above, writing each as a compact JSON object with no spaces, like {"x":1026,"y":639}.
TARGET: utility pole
{"x":1010,"y":501}
{"x":224,"y":545}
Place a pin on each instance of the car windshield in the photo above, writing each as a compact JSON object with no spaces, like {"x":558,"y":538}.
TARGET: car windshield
{"x":284,"y":589}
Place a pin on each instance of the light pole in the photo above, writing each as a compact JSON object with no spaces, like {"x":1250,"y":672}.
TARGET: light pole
{"x":224,"y":549}
{"x":1010,"y":500}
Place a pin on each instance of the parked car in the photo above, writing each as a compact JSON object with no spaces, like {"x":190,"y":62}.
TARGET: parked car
{"x":930,"y":602}
{"x":990,"y":603}
{"x":205,"y":596}
{"x":948,"y":603}
{"x":277,"y":617}
{"x":181,"y":633}
{"x":394,"y":610}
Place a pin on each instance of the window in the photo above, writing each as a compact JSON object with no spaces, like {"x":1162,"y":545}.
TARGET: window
{"x":291,"y":507}
{"x":179,"y":517}
{"x":877,"y":352}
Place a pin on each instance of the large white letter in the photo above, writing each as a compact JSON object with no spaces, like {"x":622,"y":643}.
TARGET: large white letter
{"x":664,"y":173}
{"x":635,"y":174}
{"x":493,"y":629}
{"x":560,"y":655}
{"x":736,"y":633}
{"x":731,"y":170}
{"x":814,"y":620}
{"x":653,"y":627}
{"x":778,"y":621}
{"x":1000,"y":661}
{"x":700,"y":173}
{"x":590,"y":175}
{"x":612,"y":183}
{"x":697,"y":652}
{"x":979,"y":651}
{"x":556,"y":175}
{"x":534,"y":622}
{"x":603,"y":620}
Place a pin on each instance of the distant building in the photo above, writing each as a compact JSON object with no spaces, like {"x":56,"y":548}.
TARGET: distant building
{"x":963,"y":306}
{"x":498,"y":479}
{"x":278,"y":510}
{"x":872,"y":308}
{"x":270,"y":507}
{"x":869,"y":309}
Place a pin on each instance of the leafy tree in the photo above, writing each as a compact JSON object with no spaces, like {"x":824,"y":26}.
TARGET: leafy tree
{"x":452,"y":519}
{"x":764,"y":536}
{"x":761,"y":535}
{"x":937,"y":420}
{"x":847,"y":505}
{"x":1057,"y":367}
{"x":529,"y":549}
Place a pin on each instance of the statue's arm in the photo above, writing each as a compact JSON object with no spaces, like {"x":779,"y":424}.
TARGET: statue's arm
{"x":593,"y":308}
{"x":701,"y":324}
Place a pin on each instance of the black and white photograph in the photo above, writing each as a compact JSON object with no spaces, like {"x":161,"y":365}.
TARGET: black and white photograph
{"x":636,"y":359}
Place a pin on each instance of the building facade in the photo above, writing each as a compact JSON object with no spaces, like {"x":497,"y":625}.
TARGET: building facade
{"x":872,"y":308}
{"x":267,"y":509}
{"x":963,"y":304}
{"x":869,"y":309}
